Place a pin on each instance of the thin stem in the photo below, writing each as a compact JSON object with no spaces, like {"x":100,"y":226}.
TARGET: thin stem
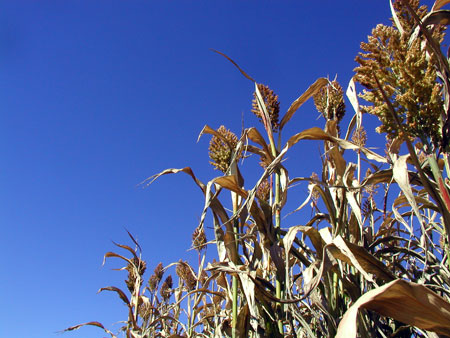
{"x":234,"y":278}
{"x":278,"y":283}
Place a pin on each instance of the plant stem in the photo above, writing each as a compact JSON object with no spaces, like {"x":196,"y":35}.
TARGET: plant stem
{"x":234,"y":278}
{"x":277,"y":226}
{"x":278,"y":283}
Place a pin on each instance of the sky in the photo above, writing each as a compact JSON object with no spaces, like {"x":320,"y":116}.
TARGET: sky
{"x":96,"y":96}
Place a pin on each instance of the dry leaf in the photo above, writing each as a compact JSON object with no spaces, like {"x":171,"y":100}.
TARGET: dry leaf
{"x":313,"y":89}
{"x":407,"y":302}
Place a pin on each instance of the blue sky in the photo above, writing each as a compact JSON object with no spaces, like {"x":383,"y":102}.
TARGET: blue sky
{"x":98,"y":95}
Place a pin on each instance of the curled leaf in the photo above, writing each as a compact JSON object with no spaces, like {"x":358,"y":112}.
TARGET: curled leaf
{"x":407,"y":302}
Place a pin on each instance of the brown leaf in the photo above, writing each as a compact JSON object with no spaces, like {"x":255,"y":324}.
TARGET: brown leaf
{"x":362,"y":260}
{"x":100,"y":325}
{"x":231,"y":183}
{"x":313,"y":89}
{"x":407,"y":302}
{"x":235,"y":64}
{"x":439,"y":17}
{"x":208,"y":130}
{"x":126,"y":247}
{"x":438,"y":4}
{"x":338,"y":161}
{"x":121,"y":294}
{"x":316,"y":133}
{"x":400,"y":175}
{"x":254,"y":135}
{"x":243,"y":321}
{"x":134,"y":241}
{"x":113,"y":254}
{"x":186,"y":170}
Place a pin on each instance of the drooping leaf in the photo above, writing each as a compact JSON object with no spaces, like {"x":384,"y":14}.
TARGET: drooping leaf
{"x":438,"y":4}
{"x":407,"y":302}
{"x":316,"y":133}
{"x":438,"y":17}
{"x":113,"y":254}
{"x":126,"y":247}
{"x":231,"y":183}
{"x":235,"y":64}
{"x":243,"y":322}
{"x":97,"y":324}
{"x":362,"y":260}
{"x":400,"y":175}
{"x":254,"y":135}
{"x":313,"y":89}
{"x":121,"y":294}
{"x":186,"y":170}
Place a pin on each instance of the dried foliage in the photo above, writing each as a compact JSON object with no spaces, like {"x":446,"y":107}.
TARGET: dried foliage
{"x":370,"y":258}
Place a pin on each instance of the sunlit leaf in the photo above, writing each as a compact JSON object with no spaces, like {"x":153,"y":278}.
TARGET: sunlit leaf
{"x":407,"y":302}
{"x":97,"y":324}
{"x":400,"y":175}
{"x":316,"y":133}
{"x":313,"y":89}
{"x":438,"y":4}
{"x":396,"y":20}
{"x":121,"y":294}
{"x":438,"y":17}
{"x":231,"y":183}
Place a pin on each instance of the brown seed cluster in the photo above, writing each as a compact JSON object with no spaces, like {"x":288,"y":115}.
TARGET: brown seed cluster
{"x":359,"y":136}
{"x":166,"y":288}
{"x":329,"y":101}
{"x":263,"y":191}
{"x":406,"y":74}
{"x":370,"y":190}
{"x":221,"y":149}
{"x":315,"y":194}
{"x":154,"y":280}
{"x":136,"y":270}
{"x":184,"y":271}
{"x":199,"y":239}
{"x":272,"y":105}
{"x":145,"y":310}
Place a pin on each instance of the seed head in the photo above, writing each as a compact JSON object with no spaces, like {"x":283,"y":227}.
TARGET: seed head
{"x":221,"y":149}
{"x":145,"y":310}
{"x":156,"y":277}
{"x":184,"y":271}
{"x":199,"y":239}
{"x":359,"y":136}
{"x":408,"y":77}
{"x":263,"y":191}
{"x":272,"y":105}
{"x":329,"y":101}
{"x":166,"y":288}
{"x":136,"y":270}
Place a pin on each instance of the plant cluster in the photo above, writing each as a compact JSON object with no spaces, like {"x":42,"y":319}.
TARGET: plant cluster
{"x":370,"y":259}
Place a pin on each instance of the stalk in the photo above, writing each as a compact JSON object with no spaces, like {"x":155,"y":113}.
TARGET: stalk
{"x":277,"y":227}
{"x":234,"y":277}
{"x":268,"y":127}
{"x":190,"y":317}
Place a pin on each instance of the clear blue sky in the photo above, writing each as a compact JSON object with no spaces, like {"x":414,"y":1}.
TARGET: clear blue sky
{"x":96,"y":96}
